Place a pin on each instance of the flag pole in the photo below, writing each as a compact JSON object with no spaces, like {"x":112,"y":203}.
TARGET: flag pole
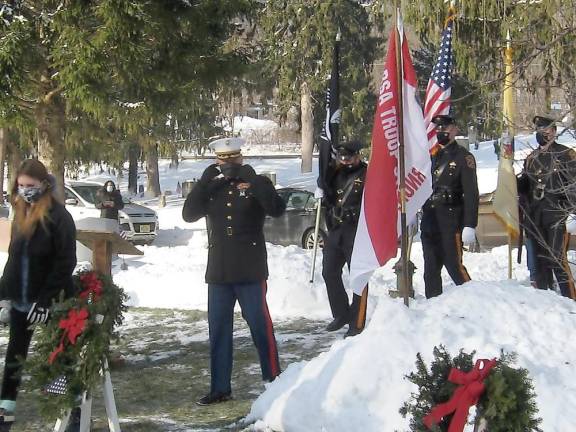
{"x":316,"y":233}
{"x":510,"y":129}
{"x":405,"y":282}
{"x":319,"y":202}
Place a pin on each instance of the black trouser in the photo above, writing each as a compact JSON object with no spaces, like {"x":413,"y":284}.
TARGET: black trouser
{"x":442,"y":249}
{"x":550,"y":250}
{"x":16,"y":353}
{"x":337,"y":252}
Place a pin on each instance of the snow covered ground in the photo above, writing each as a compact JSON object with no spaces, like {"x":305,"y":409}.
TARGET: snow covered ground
{"x":359,"y":383}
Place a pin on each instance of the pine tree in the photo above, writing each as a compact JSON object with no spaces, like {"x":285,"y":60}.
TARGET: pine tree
{"x":126,"y":63}
{"x":298,"y":38}
{"x":543,"y":34}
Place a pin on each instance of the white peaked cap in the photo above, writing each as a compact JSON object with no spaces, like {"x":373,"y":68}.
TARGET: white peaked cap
{"x":227,"y":147}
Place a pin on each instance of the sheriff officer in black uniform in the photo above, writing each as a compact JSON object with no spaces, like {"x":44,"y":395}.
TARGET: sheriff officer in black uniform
{"x":235,"y":201}
{"x":450,"y":215}
{"x":343,"y":199}
{"x":547,"y":184}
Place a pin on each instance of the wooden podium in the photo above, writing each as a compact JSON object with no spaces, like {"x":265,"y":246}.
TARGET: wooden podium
{"x":103,"y":245}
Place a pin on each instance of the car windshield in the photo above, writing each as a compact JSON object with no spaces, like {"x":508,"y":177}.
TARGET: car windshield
{"x":87,"y":192}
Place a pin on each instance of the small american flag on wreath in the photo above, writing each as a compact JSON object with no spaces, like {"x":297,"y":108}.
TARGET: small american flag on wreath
{"x":440,"y":85}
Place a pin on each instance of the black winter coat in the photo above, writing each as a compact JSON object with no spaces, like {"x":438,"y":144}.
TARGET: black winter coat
{"x":52,"y":259}
{"x":235,"y":221}
{"x":109,"y":212}
{"x":547,"y":185}
{"x":344,"y":197}
{"x":454,"y":201}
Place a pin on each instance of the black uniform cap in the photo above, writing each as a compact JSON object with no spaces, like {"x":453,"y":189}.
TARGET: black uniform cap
{"x":443,"y":120}
{"x":543,"y":122}
{"x":350,"y":147}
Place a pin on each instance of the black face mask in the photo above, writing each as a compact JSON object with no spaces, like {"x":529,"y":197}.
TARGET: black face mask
{"x":541,"y":139}
{"x":443,"y":138}
{"x":230,"y":170}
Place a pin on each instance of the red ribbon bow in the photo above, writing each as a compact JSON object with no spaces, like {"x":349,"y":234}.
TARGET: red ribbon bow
{"x":465,"y":396}
{"x":73,"y":327}
{"x":92,"y":286}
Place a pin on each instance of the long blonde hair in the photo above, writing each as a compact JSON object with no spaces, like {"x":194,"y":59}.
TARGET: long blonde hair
{"x":27,"y":216}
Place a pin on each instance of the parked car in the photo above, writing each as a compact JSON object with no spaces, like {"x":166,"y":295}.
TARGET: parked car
{"x":138,"y":223}
{"x":296,"y":225}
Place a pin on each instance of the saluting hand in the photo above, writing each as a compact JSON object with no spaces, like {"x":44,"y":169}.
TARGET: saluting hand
{"x":210,"y":173}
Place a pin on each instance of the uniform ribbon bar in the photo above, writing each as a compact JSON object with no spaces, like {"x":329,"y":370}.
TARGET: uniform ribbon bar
{"x":471,"y":388}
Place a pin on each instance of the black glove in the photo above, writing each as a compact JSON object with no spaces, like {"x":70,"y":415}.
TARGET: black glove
{"x":247,"y":173}
{"x":37,"y":314}
{"x":209,"y":173}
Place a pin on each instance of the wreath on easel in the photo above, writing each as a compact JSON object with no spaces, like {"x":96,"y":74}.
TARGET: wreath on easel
{"x":503,"y":395}
{"x":70,"y":350}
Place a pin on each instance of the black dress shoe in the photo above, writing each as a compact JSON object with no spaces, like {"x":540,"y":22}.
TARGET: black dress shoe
{"x":352,"y":331}
{"x":337,"y":323}
{"x":213,"y":398}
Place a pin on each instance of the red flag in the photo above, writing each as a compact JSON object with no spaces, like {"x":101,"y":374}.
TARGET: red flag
{"x":378,"y":226}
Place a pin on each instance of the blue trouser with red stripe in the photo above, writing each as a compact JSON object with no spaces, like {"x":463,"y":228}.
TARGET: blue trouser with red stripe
{"x":252,"y":299}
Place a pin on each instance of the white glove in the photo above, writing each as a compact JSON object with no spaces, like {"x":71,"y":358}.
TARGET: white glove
{"x":37,"y":314}
{"x":468,"y":236}
{"x":5,"y":312}
{"x":571,"y":224}
{"x":318,"y":193}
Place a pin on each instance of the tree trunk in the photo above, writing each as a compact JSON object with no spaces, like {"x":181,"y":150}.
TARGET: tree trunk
{"x":14,"y":161}
{"x":50,"y":121}
{"x":307,"y":124}
{"x":133,"y":153}
{"x":174,"y":159}
{"x":3,"y":146}
{"x":153,"y":186}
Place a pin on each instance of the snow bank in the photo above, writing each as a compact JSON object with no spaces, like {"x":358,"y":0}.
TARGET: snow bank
{"x":359,"y":384}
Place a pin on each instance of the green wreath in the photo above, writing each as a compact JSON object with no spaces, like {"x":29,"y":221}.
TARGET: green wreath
{"x":507,"y":404}
{"x":70,"y":350}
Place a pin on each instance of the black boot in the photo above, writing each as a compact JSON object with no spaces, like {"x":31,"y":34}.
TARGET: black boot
{"x":353,"y":331}
{"x":213,"y":398}
{"x":337,"y":323}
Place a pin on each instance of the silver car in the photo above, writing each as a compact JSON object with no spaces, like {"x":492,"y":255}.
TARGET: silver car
{"x":139,"y":224}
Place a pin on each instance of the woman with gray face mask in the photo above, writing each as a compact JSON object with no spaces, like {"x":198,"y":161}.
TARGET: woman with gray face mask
{"x":109,"y":201}
{"x":41,"y":259}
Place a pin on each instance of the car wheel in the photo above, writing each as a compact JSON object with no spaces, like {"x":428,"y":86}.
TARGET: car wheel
{"x":308,"y":239}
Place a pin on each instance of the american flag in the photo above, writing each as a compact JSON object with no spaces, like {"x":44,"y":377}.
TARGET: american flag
{"x":440,"y":84}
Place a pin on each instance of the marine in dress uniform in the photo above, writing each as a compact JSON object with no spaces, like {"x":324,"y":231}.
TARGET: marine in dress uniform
{"x":235,"y":201}
{"x":547,"y":186}
{"x":343,"y":198}
{"x":450,"y":215}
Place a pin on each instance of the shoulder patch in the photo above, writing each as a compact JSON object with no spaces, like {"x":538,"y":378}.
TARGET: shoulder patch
{"x":470,"y":161}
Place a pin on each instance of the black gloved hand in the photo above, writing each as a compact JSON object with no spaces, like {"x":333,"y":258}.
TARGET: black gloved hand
{"x":38,"y":314}
{"x":209,"y":173}
{"x":247,"y":173}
